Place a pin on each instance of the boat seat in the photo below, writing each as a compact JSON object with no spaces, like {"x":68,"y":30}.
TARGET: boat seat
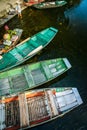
{"x":24,"y":116}
{"x":25,"y":49}
{"x":46,"y":70}
{"x":44,"y":37}
{"x":39,"y":40}
{"x":29,"y":76}
{"x":49,"y":35}
{"x":21,"y":52}
{"x":63,"y":93}
{"x":33,"y":43}
{"x":53,"y":29}
{"x":30,"y":80}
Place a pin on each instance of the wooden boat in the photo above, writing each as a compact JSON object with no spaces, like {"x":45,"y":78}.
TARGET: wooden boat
{"x":12,"y":43}
{"x":32,"y":2}
{"x":27,"y":49}
{"x":32,"y":75}
{"x":36,"y":107}
{"x":52,"y":4}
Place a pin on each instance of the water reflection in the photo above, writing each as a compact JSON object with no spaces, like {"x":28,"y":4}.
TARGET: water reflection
{"x":77,"y":15}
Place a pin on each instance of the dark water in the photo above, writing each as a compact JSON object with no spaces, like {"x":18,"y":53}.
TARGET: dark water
{"x":70,"y":42}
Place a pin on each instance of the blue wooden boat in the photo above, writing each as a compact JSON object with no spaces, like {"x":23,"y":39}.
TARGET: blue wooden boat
{"x":36,"y":107}
{"x":33,"y":75}
{"x":51,"y":4}
{"x":27,"y":49}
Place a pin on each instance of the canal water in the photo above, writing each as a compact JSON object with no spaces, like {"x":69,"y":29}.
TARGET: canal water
{"x":70,"y":42}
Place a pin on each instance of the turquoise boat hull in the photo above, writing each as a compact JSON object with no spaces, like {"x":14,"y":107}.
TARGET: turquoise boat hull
{"x":27,"y":49}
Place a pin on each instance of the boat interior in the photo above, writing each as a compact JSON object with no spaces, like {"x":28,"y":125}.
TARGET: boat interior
{"x":35,"y":107}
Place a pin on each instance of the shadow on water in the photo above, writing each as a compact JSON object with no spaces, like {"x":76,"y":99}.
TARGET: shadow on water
{"x":70,"y":42}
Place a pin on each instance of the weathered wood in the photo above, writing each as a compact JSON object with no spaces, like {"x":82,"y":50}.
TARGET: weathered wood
{"x":52,"y":103}
{"x":24,"y":118}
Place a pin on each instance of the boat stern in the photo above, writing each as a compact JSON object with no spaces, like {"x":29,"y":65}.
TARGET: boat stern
{"x":77,"y":95}
{"x":67,"y":63}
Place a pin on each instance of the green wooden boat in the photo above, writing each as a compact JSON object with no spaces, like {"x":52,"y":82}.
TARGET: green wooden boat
{"x":51,"y":4}
{"x":36,"y":107}
{"x":27,"y":49}
{"x":33,"y":75}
